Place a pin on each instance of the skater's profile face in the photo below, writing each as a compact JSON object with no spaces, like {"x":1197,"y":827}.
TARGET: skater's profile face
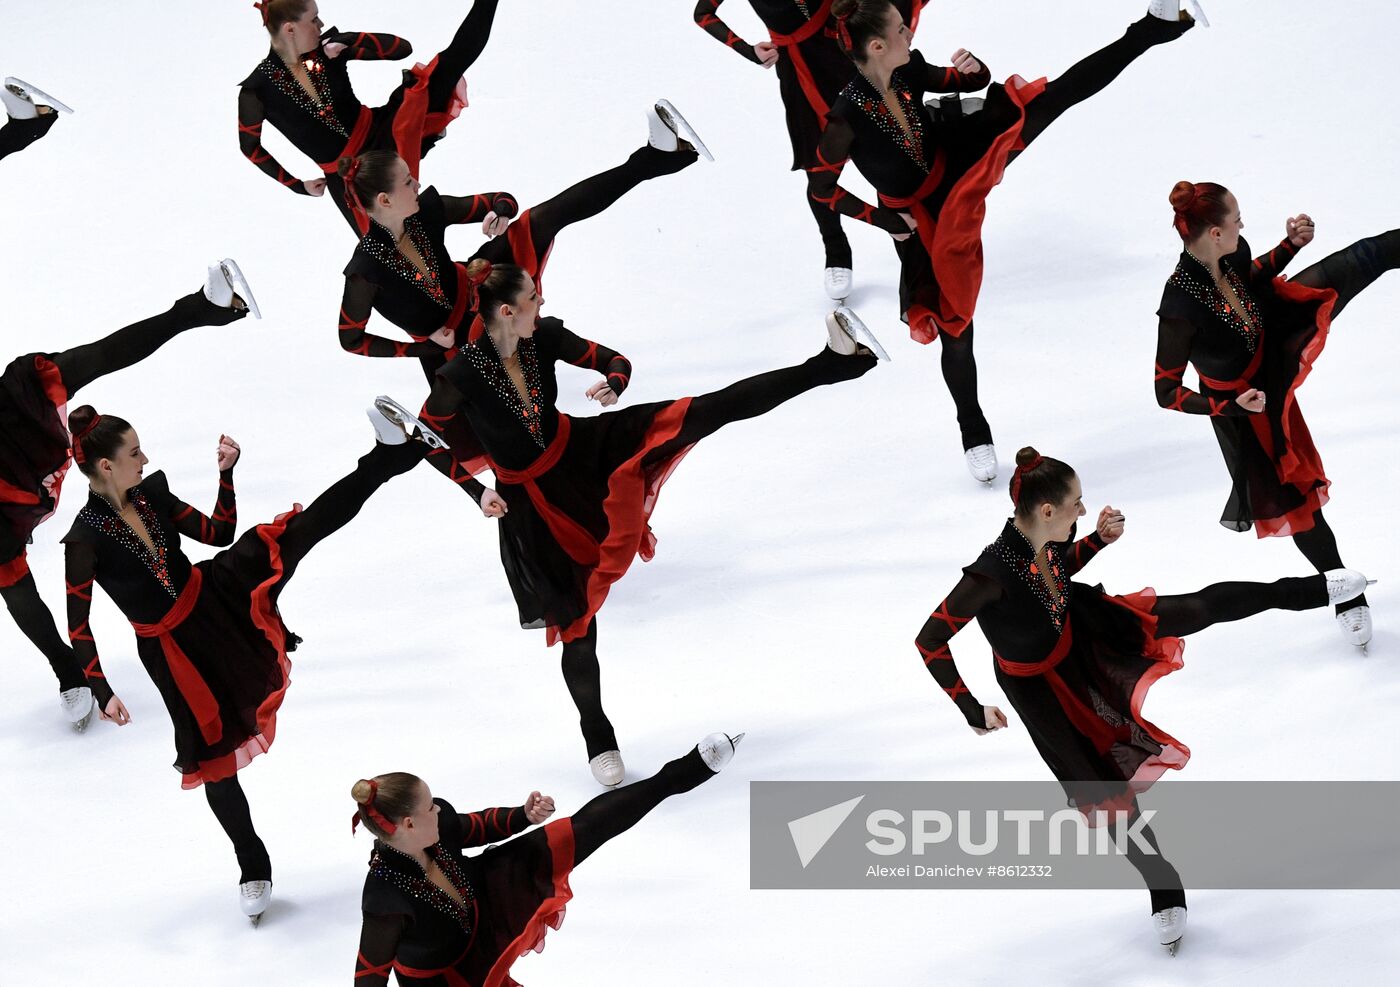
{"x":422,"y":823}
{"x":522,"y":314}
{"x":305,"y":33}
{"x":1059,"y":519}
{"x":1228,"y":232}
{"x":891,"y":46}
{"x":401,"y":201}
{"x":125,"y":466}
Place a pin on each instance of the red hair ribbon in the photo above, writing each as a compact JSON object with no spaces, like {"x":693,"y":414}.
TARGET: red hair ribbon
{"x":1016,"y":478}
{"x":262,"y":9}
{"x":78,"y":437}
{"x":841,"y":32}
{"x":368,"y":808}
{"x":352,"y":198}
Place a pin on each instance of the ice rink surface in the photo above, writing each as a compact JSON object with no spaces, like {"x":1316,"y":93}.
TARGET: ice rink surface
{"x":798,"y":554}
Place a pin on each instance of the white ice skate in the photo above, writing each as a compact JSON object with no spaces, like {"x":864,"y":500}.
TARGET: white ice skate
{"x":982,"y":463}
{"x":254,"y":897}
{"x":607,"y":768}
{"x":1170,"y":10}
{"x":22,"y":101}
{"x":717,"y":749}
{"x":225,"y":281}
{"x":1170,"y":924}
{"x":394,"y":424}
{"x":837,"y":282}
{"x":846,"y":333}
{"x":1345,"y":584}
{"x":79,"y":706}
{"x":666,"y":128}
{"x":1356,"y":626}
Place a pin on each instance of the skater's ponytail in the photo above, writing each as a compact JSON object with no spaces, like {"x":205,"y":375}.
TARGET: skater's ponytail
{"x":275,"y":13}
{"x":496,"y":285}
{"x":95,"y":437}
{"x":1038,"y":480}
{"x":366,"y":176}
{"x":855,"y":22}
{"x":1198,"y":206}
{"x":384,"y":800}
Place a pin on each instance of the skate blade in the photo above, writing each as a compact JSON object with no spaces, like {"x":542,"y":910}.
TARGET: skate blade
{"x":36,"y":95}
{"x":1172,"y":947}
{"x":852,"y":325}
{"x":1199,"y":15}
{"x":673,"y":119}
{"x":241,"y":290}
{"x":80,"y":726}
{"x":255,"y":919}
{"x":413,"y":428}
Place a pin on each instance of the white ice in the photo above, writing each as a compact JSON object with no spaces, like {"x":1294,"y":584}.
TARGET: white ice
{"x":799,"y":554}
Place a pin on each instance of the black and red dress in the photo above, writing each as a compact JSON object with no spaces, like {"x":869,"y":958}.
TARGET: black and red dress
{"x":580,"y":491}
{"x":209,"y":634}
{"x":1278,"y":482}
{"x":334,"y":124}
{"x":511,"y":896}
{"x":1075,"y":663}
{"x":33,"y":455}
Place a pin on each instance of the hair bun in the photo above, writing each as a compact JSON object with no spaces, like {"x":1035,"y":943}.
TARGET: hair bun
{"x":343,"y":165}
{"x":844,"y":8}
{"x":478,"y":268}
{"x":81,"y":417}
{"x":1026,"y":456}
{"x":1183,"y":195}
{"x":361,"y":792}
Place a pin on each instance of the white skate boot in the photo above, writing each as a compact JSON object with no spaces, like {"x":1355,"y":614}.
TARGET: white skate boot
{"x":837,"y":282}
{"x":846,"y":333}
{"x":79,"y":706}
{"x":225,"y":282}
{"x":1345,"y":584}
{"x":22,"y":101}
{"x":607,"y":768}
{"x":717,"y":749}
{"x":1170,"y":924}
{"x":394,"y":425}
{"x":1356,"y":626}
{"x":1170,"y":10}
{"x":253,"y":898}
{"x":982,"y":463}
{"x":666,"y":128}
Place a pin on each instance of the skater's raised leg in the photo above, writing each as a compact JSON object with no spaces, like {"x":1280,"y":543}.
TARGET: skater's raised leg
{"x":1351,"y":271}
{"x":1178,"y":616}
{"x":460,"y":54}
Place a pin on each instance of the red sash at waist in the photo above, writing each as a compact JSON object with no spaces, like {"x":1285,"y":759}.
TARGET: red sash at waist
{"x":448,"y":973}
{"x":572,"y":537}
{"x":814,"y":24}
{"x":187,"y":678}
{"x":355,"y":144}
{"x":1085,"y":720}
{"x":790,"y":43}
{"x":1240,"y":383}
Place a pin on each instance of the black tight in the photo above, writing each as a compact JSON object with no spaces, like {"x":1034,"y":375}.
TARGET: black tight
{"x":16,"y":135}
{"x":1351,"y":270}
{"x":84,"y":364}
{"x":1319,"y":547}
{"x":834,"y":242}
{"x":1187,"y":613}
{"x":960,"y":374}
{"x":1162,"y":880}
{"x":617,"y":811}
{"x":342,"y":500}
{"x":583,"y":676}
{"x":464,"y":49}
{"x":33,"y":617}
{"x":230,"y":807}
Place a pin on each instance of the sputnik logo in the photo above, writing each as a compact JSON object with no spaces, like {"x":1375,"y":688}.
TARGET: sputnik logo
{"x":812,"y":832}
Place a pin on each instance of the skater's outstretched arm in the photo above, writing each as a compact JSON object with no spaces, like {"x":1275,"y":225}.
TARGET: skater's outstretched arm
{"x":474,"y":208}
{"x":1174,"y":338}
{"x":364,"y":46}
{"x":823,"y":181}
{"x":707,"y":16}
{"x":80,"y":566}
{"x":379,"y":944}
{"x":250,"y":123}
{"x":968,"y":597}
{"x":492,"y":825}
{"x":217,"y":530}
{"x":356,"y":307}
{"x":585,"y":353}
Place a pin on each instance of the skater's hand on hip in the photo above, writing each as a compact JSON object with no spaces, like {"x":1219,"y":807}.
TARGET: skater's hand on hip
{"x":494,"y":225}
{"x":993,"y":717}
{"x":317,"y":186}
{"x":229,"y":451}
{"x":493,"y":504}
{"x":1110,"y":525}
{"x":538,"y":807}
{"x":1300,"y":230}
{"x":115,"y":711}
{"x":911,"y":222}
{"x":601,"y":393}
{"x":333,"y":49}
{"x":965,"y":63}
{"x":767,"y":53}
{"x":1251,"y":400}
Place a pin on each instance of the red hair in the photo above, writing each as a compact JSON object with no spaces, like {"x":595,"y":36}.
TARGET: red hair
{"x":1197,"y":207}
